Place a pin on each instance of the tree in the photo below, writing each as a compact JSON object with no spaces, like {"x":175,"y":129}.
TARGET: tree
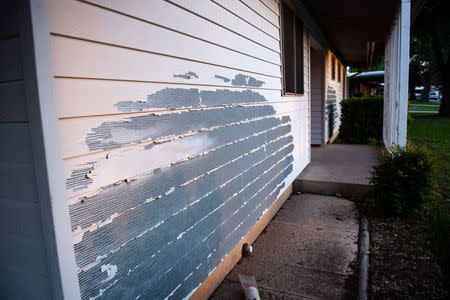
{"x":432,"y":29}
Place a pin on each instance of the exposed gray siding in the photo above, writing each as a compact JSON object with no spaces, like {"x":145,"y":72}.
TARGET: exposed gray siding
{"x":23,"y":270}
{"x":334,"y":93}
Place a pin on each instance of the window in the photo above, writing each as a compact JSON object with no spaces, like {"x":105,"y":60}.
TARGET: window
{"x":333,"y":68}
{"x":292,"y":44}
{"x":339,"y":72}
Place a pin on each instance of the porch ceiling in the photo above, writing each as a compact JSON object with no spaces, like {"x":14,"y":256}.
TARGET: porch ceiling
{"x":350,"y":25}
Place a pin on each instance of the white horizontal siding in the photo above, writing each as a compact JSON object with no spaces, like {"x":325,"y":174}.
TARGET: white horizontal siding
{"x":226,"y":19}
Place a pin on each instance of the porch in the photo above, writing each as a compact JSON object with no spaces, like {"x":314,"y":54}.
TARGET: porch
{"x":309,"y":250}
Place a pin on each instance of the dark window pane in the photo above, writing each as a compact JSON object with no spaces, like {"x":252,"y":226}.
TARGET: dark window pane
{"x":339,"y":72}
{"x":299,"y":56}
{"x":288,"y":49}
{"x":333,"y":68}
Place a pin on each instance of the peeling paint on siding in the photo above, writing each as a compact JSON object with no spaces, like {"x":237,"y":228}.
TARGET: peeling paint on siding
{"x":152,"y":126}
{"x":244,"y":80}
{"x":79,"y":179}
{"x":161,"y":233}
{"x":187,"y":75}
{"x":226,"y":80}
{"x":188,"y":98}
{"x":158,"y":273}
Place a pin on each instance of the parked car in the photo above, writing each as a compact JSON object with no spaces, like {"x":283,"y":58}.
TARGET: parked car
{"x":434,"y":95}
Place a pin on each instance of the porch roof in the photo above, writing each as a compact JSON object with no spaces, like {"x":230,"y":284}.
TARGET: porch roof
{"x":353,"y":26}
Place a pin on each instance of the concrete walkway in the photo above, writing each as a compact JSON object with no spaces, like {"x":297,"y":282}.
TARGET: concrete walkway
{"x":306,"y":252}
{"x":338,"y":169}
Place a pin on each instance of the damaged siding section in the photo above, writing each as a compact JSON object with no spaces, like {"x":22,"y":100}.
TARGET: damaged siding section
{"x":172,"y":155}
{"x":334,"y":93}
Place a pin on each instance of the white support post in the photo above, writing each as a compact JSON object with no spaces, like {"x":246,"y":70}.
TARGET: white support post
{"x":405,"y":12}
{"x":396,"y":79}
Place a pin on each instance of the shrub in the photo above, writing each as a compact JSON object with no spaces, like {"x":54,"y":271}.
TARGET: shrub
{"x":361,"y":120}
{"x":403,"y":180}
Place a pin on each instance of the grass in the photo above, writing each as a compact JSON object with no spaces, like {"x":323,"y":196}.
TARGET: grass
{"x":427,"y":108}
{"x":420,"y":102}
{"x":434,"y":132}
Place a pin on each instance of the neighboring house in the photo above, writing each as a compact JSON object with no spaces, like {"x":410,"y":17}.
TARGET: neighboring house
{"x":143,"y":142}
{"x":366,"y":83}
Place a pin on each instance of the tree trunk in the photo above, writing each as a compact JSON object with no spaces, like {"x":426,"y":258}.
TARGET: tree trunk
{"x":426,"y":87}
{"x":444,"y":68}
{"x":412,"y":92}
{"x":444,"y":108}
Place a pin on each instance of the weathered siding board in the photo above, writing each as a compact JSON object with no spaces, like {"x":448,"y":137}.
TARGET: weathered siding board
{"x":188,"y":24}
{"x":91,"y":135}
{"x":114,"y":200}
{"x":140,"y":159}
{"x":81,"y":97}
{"x":263,"y":11}
{"x":204,"y":227}
{"x":272,"y":5}
{"x":170,"y":43}
{"x":94,"y":60}
{"x":241,"y":10}
{"x":175,"y":142}
{"x":165,"y":205}
{"x":218,"y":15}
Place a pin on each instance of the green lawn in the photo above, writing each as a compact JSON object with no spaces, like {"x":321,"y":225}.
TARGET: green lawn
{"x":423,"y":107}
{"x":420,"y":102}
{"x":434,"y":132}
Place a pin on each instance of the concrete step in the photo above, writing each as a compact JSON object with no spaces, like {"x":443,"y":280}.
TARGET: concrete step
{"x":351,"y":191}
{"x":339,"y":169}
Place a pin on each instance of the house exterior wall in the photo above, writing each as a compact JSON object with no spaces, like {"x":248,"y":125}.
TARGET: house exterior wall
{"x":334,"y":93}
{"x":174,"y":136}
{"x":22,"y":246}
{"x":396,"y":79}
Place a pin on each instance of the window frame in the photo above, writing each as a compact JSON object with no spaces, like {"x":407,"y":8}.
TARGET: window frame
{"x":297,"y":44}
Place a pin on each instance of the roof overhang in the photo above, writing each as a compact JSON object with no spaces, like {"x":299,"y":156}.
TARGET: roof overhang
{"x":351,"y":27}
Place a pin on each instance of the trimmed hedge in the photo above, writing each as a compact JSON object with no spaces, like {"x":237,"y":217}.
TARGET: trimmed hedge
{"x":361,"y":120}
